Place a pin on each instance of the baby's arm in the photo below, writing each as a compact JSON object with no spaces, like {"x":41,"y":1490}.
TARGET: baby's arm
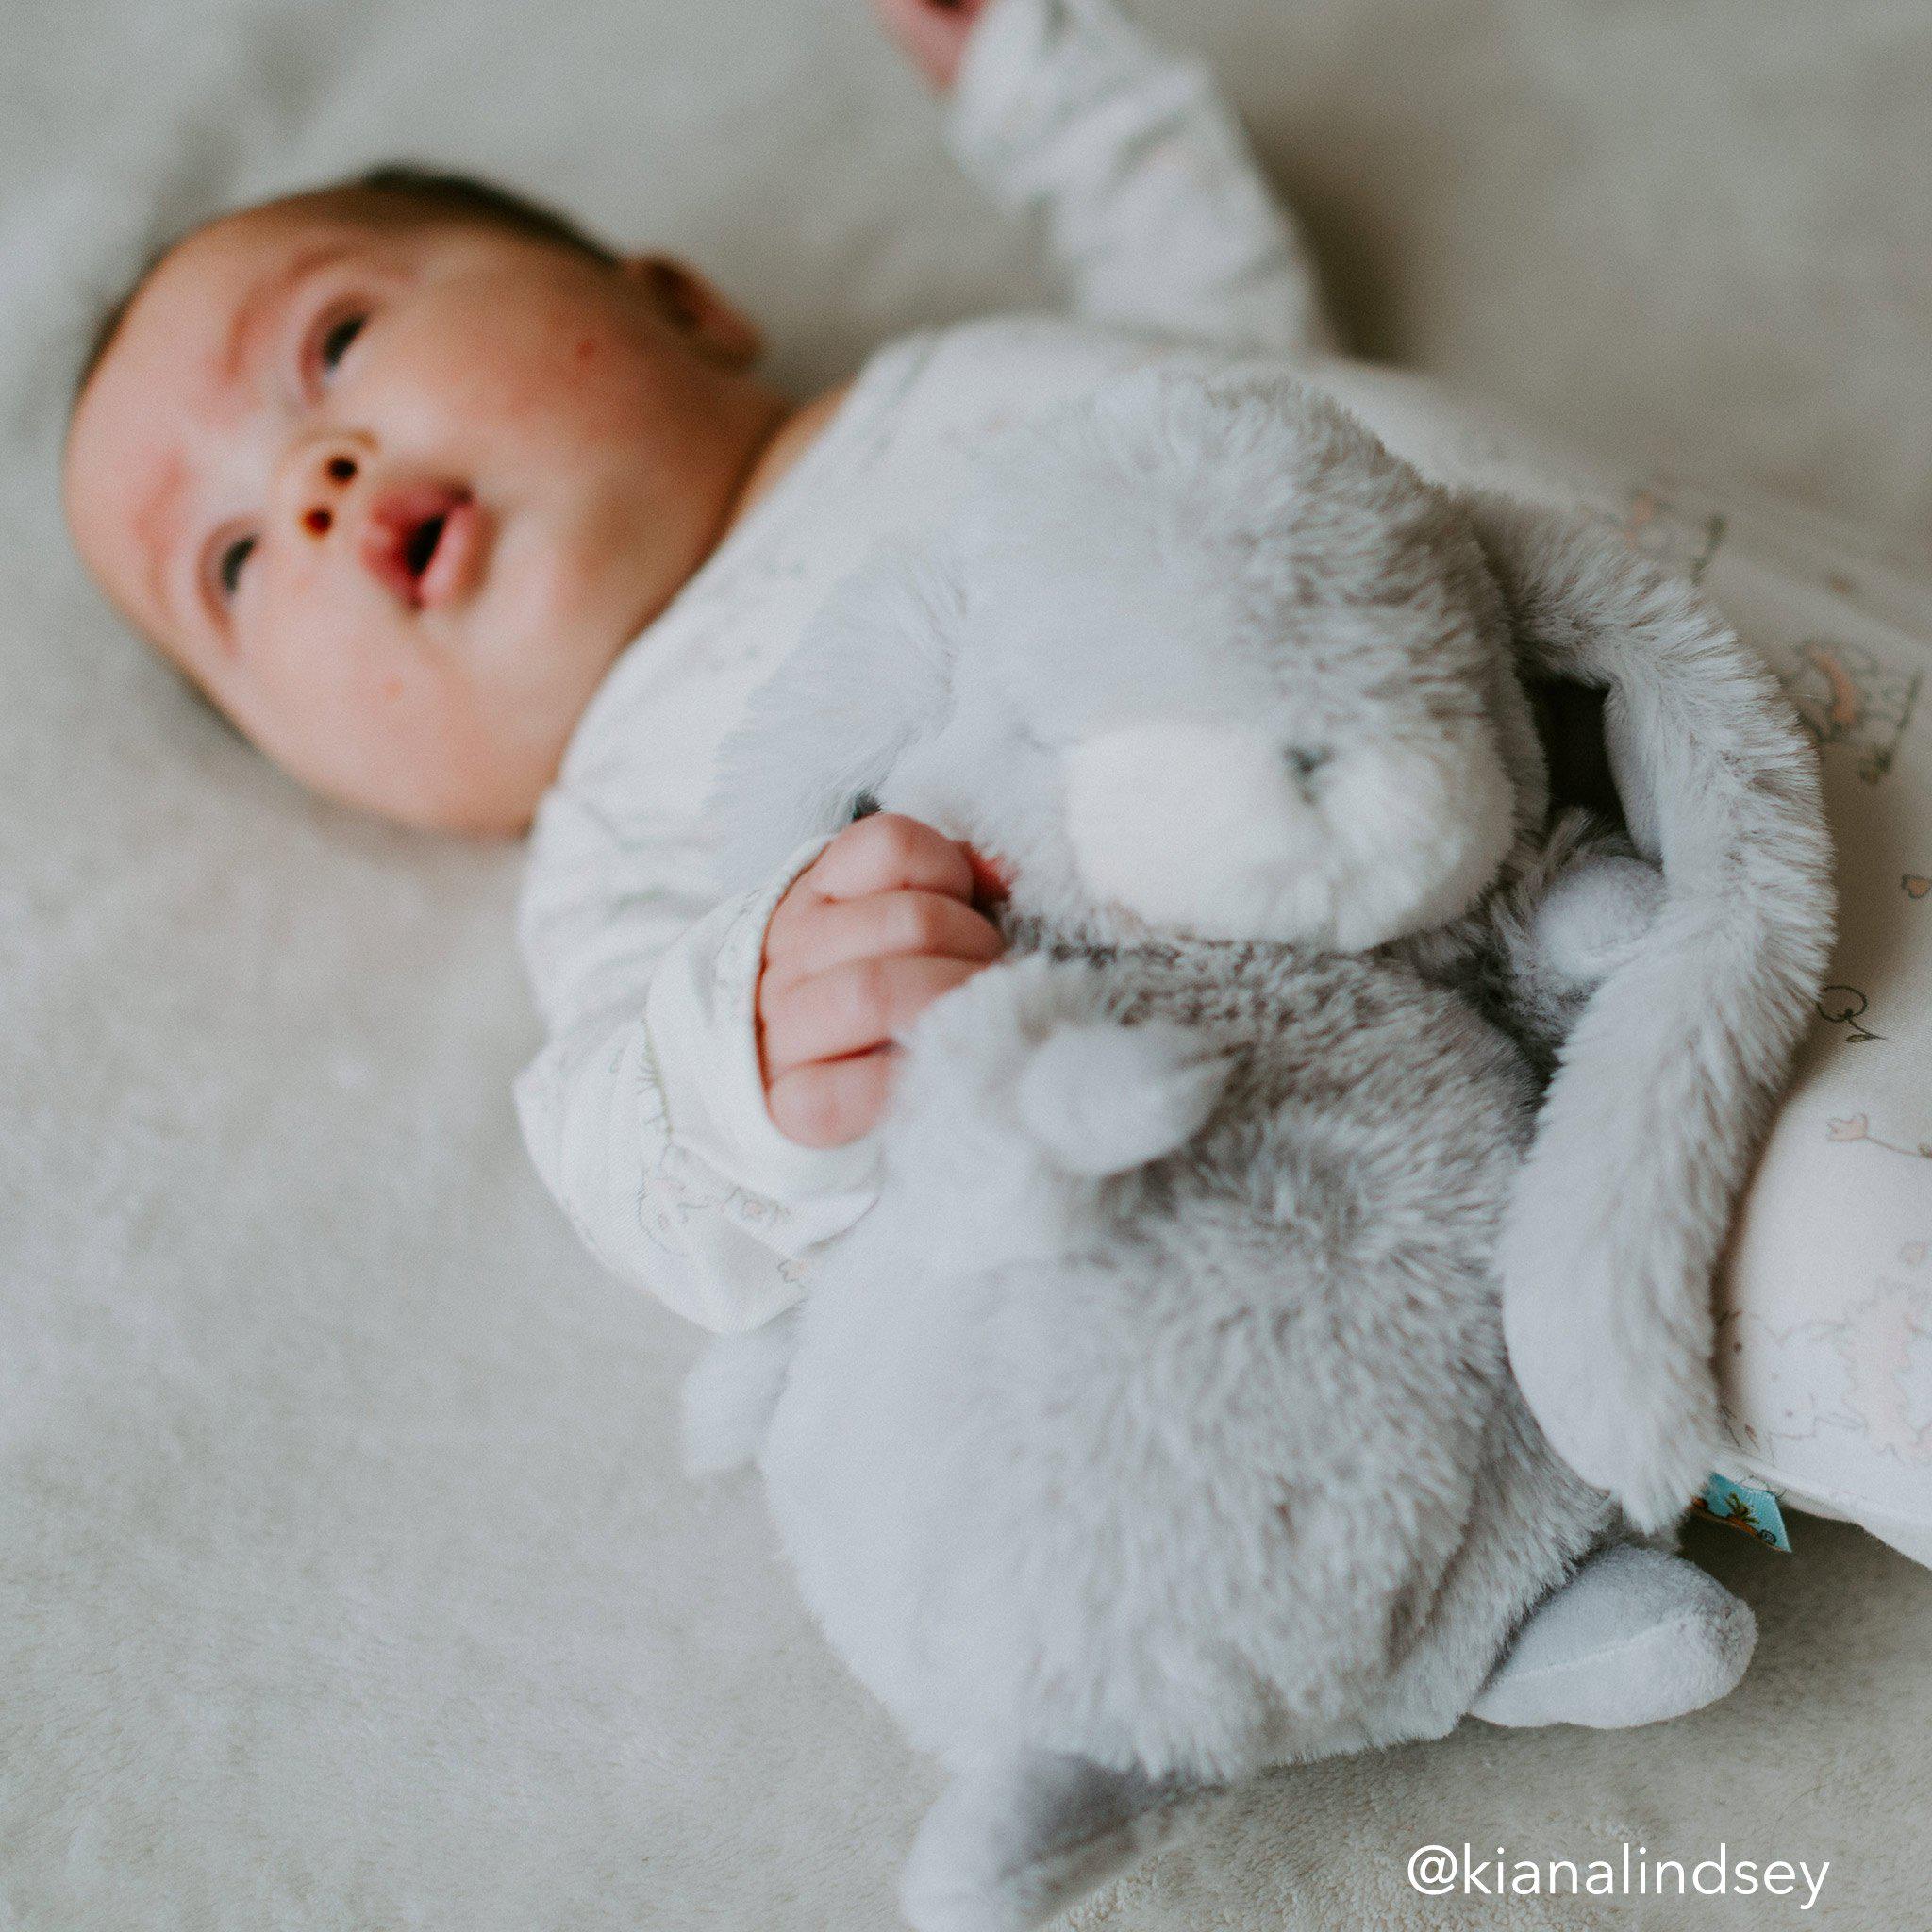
{"x":644,"y":1114}
{"x":647,"y":1115}
{"x":1150,"y":192}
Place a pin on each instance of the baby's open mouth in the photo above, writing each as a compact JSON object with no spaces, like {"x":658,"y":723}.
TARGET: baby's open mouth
{"x":424,"y":542}
{"x":421,"y":547}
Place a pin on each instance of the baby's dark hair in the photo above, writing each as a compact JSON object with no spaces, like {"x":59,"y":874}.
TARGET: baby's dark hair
{"x":433,"y":191}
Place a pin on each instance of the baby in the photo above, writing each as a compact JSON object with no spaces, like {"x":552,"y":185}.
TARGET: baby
{"x":469,"y":521}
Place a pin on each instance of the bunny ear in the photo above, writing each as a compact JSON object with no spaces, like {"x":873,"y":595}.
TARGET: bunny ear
{"x":1667,"y":1082}
{"x":869,"y":677}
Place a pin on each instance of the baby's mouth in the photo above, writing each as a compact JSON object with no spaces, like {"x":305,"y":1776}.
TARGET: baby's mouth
{"x":423,"y":542}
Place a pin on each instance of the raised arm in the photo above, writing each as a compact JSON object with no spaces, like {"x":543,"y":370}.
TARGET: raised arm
{"x":1149,"y":192}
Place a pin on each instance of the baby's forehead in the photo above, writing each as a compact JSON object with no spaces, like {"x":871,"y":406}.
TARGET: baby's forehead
{"x":185,"y":318}
{"x":220,"y":264}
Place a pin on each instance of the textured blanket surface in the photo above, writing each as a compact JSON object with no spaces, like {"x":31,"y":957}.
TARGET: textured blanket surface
{"x":345,"y":1579}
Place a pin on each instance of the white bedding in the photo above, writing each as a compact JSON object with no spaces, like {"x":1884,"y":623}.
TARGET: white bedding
{"x":345,"y":1579}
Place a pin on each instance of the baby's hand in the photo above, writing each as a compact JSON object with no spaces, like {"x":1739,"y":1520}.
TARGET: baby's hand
{"x":932,"y":34}
{"x":868,"y":936}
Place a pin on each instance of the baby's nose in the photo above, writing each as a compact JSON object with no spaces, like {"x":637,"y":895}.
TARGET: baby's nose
{"x":333,"y":472}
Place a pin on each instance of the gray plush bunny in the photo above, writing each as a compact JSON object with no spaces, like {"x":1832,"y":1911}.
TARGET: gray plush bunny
{"x":1157,"y":1424}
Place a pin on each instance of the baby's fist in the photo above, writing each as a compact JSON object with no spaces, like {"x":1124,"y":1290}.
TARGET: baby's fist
{"x":932,"y":34}
{"x":869,"y":935}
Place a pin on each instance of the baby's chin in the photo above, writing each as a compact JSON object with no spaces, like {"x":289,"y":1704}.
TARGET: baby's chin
{"x":591,"y":588}
{"x":485,"y":783}
{"x":553,"y":602}
{"x":566,"y":609}
{"x":536,"y":649}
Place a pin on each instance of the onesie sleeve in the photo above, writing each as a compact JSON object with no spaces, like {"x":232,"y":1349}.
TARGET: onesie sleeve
{"x":645,"y":1113}
{"x":1150,"y":194}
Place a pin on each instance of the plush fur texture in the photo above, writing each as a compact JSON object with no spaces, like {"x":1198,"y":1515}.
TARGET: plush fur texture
{"x":1157,"y":1422}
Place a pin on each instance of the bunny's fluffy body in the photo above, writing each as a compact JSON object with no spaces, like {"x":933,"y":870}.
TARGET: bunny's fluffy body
{"x":1157,"y":1424}
{"x":1213,"y":1464}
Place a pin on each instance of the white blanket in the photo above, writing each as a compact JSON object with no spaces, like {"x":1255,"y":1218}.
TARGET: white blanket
{"x":345,"y":1581}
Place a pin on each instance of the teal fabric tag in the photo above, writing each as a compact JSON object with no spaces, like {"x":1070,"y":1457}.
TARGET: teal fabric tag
{"x":1753,"y":1512}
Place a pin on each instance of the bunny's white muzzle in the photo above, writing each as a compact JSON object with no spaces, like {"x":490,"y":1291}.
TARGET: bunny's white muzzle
{"x":1222,"y":832}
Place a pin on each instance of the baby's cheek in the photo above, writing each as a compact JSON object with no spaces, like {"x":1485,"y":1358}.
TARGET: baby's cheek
{"x":338,"y":680}
{"x":415,"y":742}
{"x":487,"y":356}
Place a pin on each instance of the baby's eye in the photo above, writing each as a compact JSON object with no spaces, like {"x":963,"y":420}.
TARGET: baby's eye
{"x":334,"y":341}
{"x":234,"y":560}
{"x":327,"y":338}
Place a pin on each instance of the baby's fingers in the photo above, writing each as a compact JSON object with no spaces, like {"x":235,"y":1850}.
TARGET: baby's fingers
{"x":836,"y":932}
{"x":885,"y":853}
{"x":832,"y":1102}
{"x":852,"y":1008}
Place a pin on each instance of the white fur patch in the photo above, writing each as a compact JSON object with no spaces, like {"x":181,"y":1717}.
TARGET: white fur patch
{"x":1210,"y":830}
{"x":1597,"y":915}
{"x":1105,"y":1098}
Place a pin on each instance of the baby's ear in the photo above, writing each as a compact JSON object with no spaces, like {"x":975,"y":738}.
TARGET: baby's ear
{"x":871,"y":677}
{"x":698,"y":310}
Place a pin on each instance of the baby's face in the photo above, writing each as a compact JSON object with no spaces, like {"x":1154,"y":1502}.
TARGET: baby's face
{"x":395,"y":489}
